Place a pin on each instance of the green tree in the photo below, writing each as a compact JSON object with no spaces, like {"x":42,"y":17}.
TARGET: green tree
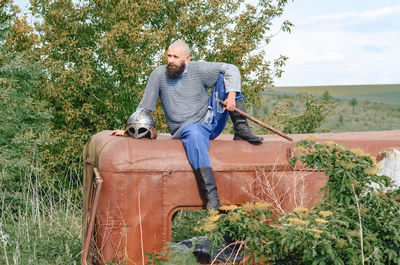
{"x":326,"y":96}
{"x":5,"y":17}
{"x":341,"y":119}
{"x":353,"y":103}
{"x":98,"y":55}
{"x":25,"y":123}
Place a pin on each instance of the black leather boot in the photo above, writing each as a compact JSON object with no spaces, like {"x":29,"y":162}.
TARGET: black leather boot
{"x":206,"y":181}
{"x":242,"y":129}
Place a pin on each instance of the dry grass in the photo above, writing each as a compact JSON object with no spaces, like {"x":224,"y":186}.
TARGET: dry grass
{"x":41,"y":227}
{"x":280,"y":188}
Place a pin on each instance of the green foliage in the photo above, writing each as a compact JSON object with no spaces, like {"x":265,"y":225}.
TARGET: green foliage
{"x":25,"y":123}
{"x":353,"y":103}
{"x":46,"y":230}
{"x":23,"y":137}
{"x":33,"y":241}
{"x":5,"y":18}
{"x":341,"y":119}
{"x":249,"y":223}
{"x":315,"y":112}
{"x":355,"y":222}
{"x":346,"y":169}
{"x":40,"y":217}
{"x":171,"y":255}
{"x":184,"y":222}
{"x":326,"y":96}
{"x":358,"y":206}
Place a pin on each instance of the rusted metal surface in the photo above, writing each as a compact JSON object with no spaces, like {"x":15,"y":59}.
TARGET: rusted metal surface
{"x":92,"y":210}
{"x":146,"y":181}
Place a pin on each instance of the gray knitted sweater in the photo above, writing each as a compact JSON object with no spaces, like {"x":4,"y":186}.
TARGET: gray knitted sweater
{"x":185,"y":99}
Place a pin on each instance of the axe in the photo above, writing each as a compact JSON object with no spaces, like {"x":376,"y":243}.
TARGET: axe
{"x":247,"y":116}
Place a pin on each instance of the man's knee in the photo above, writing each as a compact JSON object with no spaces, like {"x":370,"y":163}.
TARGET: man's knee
{"x":193,"y":131}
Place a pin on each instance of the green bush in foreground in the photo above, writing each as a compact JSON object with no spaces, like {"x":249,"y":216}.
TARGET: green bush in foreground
{"x":355,"y":222}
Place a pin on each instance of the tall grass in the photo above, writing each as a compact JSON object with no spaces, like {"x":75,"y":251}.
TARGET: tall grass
{"x":40,"y":225}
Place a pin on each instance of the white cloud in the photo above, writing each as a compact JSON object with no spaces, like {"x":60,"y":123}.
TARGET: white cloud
{"x":305,"y":49}
{"x":366,"y":15}
{"x":340,"y":47}
{"x":338,"y":57}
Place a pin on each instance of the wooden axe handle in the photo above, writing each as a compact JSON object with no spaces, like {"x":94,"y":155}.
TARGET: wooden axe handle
{"x":247,"y":116}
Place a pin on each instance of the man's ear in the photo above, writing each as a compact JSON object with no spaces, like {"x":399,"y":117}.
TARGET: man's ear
{"x":187,"y":59}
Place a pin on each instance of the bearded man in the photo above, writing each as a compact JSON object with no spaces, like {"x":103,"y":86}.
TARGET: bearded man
{"x":191,"y":115}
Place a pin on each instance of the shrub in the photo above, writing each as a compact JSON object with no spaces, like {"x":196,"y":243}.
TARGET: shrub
{"x":183,"y":223}
{"x":171,"y":255}
{"x":326,"y":96}
{"x":355,"y":221}
{"x":316,"y":111}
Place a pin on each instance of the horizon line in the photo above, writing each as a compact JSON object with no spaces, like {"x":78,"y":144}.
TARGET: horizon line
{"x":341,"y":85}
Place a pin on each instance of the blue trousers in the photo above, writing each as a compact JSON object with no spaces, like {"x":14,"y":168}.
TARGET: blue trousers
{"x":196,"y":136}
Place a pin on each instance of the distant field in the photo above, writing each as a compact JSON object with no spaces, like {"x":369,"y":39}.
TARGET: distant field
{"x":364,"y":116}
{"x":389,"y":94}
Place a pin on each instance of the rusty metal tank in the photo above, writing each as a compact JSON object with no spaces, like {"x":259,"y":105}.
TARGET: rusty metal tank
{"x":144,"y":182}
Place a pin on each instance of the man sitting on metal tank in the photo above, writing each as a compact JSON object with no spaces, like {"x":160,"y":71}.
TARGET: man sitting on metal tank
{"x":192,"y":115}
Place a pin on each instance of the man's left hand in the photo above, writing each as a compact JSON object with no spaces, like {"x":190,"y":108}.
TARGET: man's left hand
{"x":230,"y":102}
{"x":119,"y":133}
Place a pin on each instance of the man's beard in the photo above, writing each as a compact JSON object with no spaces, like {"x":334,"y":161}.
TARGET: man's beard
{"x":173,"y":71}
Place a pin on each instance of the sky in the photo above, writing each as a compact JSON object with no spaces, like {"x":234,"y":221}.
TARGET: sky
{"x":340,"y":43}
{"x":336,"y":42}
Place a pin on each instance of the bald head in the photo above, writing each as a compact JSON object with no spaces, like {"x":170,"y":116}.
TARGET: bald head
{"x":179,"y":44}
{"x":178,"y":57}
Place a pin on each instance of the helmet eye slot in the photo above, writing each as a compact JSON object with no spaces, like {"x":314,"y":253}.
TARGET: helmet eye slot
{"x":132,"y":130}
{"x":142,"y":130}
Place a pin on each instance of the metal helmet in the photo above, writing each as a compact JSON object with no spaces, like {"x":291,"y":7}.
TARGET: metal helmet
{"x":140,"y":123}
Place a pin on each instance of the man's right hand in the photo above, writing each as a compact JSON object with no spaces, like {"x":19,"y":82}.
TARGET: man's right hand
{"x":118,"y":133}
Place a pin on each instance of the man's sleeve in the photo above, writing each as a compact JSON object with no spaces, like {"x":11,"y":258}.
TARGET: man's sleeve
{"x":231,"y":78}
{"x":210,"y":72}
{"x":149,"y":100}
